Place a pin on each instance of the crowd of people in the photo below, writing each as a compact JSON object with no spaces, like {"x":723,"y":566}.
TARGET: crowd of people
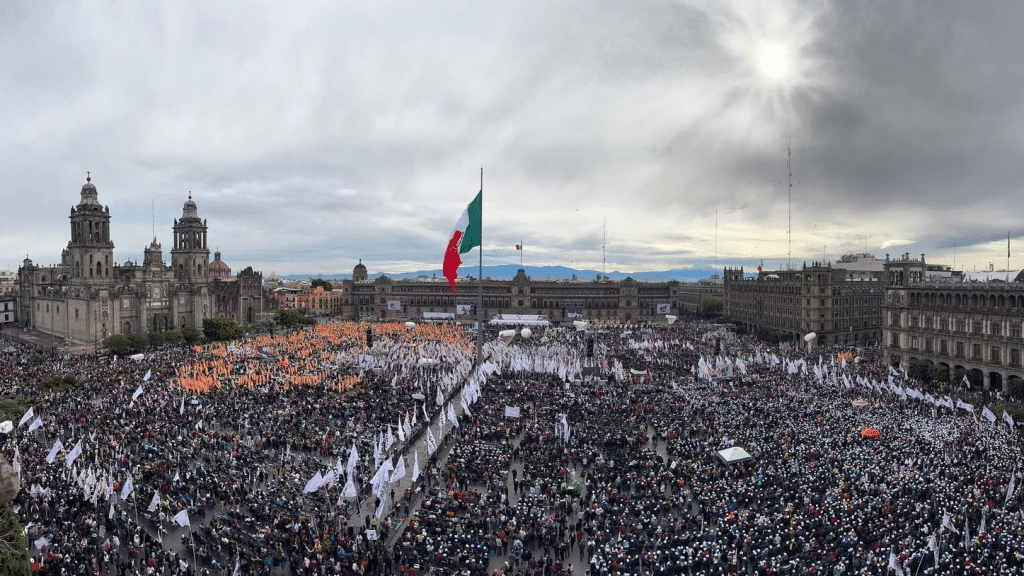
{"x":279,"y":455}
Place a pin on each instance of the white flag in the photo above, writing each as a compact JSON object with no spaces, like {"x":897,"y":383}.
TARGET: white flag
{"x":128,"y":488}
{"x":314,"y":483}
{"x":75,"y":453}
{"x":353,"y":459}
{"x":28,"y":415}
{"x":176,"y":477}
{"x":399,"y":471}
{"x":988,"y":415}
{"x":1010,"y":488}
{"x":452,"y":416}
{"x":1008,"y":419}
{"x":137,"y":393}
{"x":148,"y":374}
{"x":182,"y":518}
{"x":155,"y":501}
{"x":182,"y":409}
{"x":57,"y":447}
{"x":440,"y":398}
{"x":238,"y":567}
{"x":401,"y":430}
{"x":431,"y":443}
{"x":389,"y":441}
{"x":350,"y":488}
{"x":35,"y":424}
{"x":415,"y":465}
{"x":15,"y":464}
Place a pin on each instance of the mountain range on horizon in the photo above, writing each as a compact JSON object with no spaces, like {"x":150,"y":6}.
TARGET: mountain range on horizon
{"x":538,"y":273}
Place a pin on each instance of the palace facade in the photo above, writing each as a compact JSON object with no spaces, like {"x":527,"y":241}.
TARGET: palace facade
{"x":972,"y":328}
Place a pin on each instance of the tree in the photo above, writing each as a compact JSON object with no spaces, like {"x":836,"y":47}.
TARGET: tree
{"x":139,"y":342}
{"x":191,"y":334}
{"x":290,"y":318}
{"x":1016,"y":388}
{"x":919,"y":370}
{"x":13,"y":544}
{"x":173,"y":337}
{"x":714,"y":307}
{"x":117,"y":344}
{"x":322,"y":283}
{"x":221,"y":329}
{"x":940,"y":373}
{"x":156,"y":339}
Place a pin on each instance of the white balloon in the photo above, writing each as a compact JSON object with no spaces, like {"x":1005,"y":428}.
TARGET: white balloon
{"x":410,"y":325}
{"x":526,"y":333}
{"x":507,"y":334}
{"x":810,"y":336}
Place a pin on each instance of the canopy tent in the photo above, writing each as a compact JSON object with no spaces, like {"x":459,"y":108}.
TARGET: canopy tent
{"x":734,"y":455}
{"x":519,"y":320}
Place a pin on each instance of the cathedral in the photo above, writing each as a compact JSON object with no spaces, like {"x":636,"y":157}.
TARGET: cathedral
{"x":89,"y":296}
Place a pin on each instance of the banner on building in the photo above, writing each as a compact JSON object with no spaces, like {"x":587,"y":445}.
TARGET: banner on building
{"x":463,"y":309}
{"x":664,"y":308}
{"x":394,"y":305}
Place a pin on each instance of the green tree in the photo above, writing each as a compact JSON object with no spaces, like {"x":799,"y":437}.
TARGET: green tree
{"x":1016,"y":388}
{"x":714,"y":307}
{"x":173,"y":337}
{"x":191,"y":335}
{"x":221,"y":329}
{"x":117,"y":344}
{"x":322,"y":283}
{"x":919,"y":370}
{"x":940,"y":373}
{"x":14,"y":547}
{"x":139,"y":342}
{"x":156,"y":339}
{"x":290,"y":318}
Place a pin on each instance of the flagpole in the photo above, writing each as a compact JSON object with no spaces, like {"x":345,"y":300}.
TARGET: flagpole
{"x":480,"y":281}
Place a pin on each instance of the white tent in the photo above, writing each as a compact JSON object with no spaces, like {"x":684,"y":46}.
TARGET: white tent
{"x":734,"y":455}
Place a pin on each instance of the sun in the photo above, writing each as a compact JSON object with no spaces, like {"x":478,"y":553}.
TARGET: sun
{"x":773,"y":59}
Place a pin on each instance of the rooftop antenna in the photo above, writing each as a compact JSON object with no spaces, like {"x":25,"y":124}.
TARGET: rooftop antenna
{"x":716,"y":233}
{"x":154,"y":219}
{"x":604,"y":249}
{"x":789,"y":231}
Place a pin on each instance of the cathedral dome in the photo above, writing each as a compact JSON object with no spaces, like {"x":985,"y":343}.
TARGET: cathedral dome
{"x":272,"y":277}
{"x":89,"y":191}
{"x":189,"y":210}
{"x":359,"y":272}
{"x":218,"y":268}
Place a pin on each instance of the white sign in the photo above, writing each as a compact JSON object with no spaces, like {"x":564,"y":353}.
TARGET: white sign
{"x":394,"y":306}
{"x":463,"y":309}
{"x":372,"y":535}
{"x":511,"y":411}
{"x":664,"y":308}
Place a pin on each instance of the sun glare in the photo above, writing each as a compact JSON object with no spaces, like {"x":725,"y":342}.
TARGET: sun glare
{"x":773,"y":59}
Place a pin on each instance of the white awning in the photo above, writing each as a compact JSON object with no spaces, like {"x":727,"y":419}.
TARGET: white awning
{"x":734,"y":455}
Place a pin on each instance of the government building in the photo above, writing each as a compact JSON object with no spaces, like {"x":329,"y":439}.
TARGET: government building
{"x":839,"y":302}
{"x":965,"y":328}
{"x":89,"y":296}
{"x":560,"y":302}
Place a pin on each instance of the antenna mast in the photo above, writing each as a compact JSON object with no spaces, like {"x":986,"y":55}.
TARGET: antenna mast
{"x":716,"y":232}
{"x":604,"y":249}
{"x":789,"y":232}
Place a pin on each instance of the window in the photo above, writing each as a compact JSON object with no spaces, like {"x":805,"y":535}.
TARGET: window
{"x":994,"y":355}
{"x":976,"y":351}
{"x":997,"y":329}
{"x":943,"y":347}
{"x":1015,"y":356}
{"x":976,"y":327}
{"x":960,"y":349}
{"x":927,"y":344}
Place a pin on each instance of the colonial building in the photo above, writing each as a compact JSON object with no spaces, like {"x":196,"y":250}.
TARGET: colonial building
{"x":88,"y":296}
{"x":971,"y":328}
{"x":840,"y":304}
{"x":560,"y":301}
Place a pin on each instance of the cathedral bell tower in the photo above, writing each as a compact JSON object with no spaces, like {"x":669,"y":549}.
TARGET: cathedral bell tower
{"x":190,"y":257}
{"x":90,"y":253}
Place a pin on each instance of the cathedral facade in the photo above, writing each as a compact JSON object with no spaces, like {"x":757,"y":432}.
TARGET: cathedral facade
{"x":89,"y":296}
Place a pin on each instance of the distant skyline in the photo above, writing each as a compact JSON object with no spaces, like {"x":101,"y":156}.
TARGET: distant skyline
{"x":328,"y":132}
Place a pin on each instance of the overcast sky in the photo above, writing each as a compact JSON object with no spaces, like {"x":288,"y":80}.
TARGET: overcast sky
{"x":315,"y":134}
